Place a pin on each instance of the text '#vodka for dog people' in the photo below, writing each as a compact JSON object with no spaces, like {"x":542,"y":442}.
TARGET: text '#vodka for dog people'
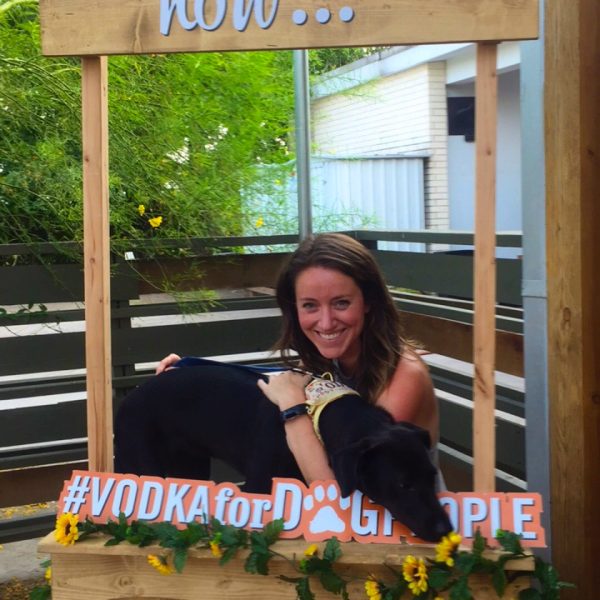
{"x":316,"y":512}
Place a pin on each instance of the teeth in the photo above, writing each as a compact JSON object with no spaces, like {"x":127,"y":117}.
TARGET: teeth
{"x":329,"y":336}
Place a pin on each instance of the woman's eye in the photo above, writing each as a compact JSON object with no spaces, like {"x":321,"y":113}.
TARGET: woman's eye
{"x":309,"y":306}
{"x":342,"y":304}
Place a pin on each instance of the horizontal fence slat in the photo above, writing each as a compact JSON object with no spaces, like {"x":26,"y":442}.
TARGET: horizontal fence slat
{"x":32,"y":354}
{"x":62,"y":421}
{"x":447,"y":274}
{"x":456,"y":430}
{"x":23,"y":284}
{"x":198,"y":339}
{"x":454,"y":339}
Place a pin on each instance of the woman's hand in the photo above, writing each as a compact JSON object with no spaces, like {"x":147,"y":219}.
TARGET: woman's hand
{"x":167,"y":363}
{"x":285,"y":389}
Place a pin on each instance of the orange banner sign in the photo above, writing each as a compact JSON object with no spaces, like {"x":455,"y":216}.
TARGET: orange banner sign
{"x":316,"y":512}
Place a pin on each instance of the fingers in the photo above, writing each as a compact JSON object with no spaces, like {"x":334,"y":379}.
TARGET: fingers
{"x":284,"y":389}
{"x":167,"y":363}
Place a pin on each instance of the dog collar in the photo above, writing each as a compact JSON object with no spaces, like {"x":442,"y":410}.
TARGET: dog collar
{"x":320,"y":392}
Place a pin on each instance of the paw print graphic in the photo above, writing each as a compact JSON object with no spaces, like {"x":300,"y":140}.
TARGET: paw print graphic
{"x":326,"y":513}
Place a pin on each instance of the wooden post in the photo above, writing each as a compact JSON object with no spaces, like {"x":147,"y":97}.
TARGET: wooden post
{"x":484,"y":319}
{"x":572,"y":140}
{"x":97,"y":261}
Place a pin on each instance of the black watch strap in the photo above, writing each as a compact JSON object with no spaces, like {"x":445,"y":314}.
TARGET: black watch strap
{"x":295,"y":411}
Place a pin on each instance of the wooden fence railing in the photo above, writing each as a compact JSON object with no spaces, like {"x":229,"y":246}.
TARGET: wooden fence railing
{"x":42,"y":370}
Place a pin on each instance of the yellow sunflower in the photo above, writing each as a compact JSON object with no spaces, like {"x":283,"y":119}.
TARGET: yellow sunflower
{"x":445,"y":550}
{"x":372,"y":589}
{"x":160,"y":564}
{"x":415,"y":573}
{"x":215,"y":548}
{"x":66,"y":531}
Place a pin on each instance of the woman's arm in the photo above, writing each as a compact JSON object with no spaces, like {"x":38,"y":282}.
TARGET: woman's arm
{"x":286,"y":390}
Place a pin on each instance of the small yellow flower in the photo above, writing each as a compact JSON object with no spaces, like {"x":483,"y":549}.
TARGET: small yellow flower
{"x":155,"y":222}
{"x":372,"y":589}
{"x":141,"y":210}
{"x":66,"y":532}
{"x":415,"y":573}
{"x":216,"y":549}
{"x":48,"y":575}
{"x":311,"y":550}
{"x":445,"y":550}
{"x":160,"y":564}
{"x":259,"y":222}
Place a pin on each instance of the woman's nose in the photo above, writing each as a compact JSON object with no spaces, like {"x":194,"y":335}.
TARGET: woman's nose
{"x":326,"y":319}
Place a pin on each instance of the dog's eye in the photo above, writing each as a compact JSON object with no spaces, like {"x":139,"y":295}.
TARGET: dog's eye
{"x":406,"y":487}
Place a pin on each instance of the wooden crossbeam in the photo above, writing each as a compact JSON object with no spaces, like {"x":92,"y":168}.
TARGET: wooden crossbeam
{"x":134,"y":26}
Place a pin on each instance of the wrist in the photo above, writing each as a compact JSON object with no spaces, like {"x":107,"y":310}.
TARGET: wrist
{"x":293,"y":412}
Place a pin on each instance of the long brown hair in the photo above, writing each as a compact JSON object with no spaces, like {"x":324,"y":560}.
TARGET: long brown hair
{"x":382,"y":342}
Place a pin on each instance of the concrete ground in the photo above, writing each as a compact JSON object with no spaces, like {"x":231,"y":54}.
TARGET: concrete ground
{"x":20,"y":560}
{"x":20,"y":569}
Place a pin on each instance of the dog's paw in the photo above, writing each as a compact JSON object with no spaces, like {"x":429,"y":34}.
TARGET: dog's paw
{"x":326,"y":512}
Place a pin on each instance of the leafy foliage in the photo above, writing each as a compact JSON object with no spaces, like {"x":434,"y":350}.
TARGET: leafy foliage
{"x":186,"y":134}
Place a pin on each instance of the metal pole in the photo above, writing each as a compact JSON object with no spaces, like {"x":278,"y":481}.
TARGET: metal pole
{"x":302,"y":123}
{"x":535,"y":298}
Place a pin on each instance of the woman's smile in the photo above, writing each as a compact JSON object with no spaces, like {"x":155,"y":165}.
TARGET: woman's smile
{"x":331,"y":311}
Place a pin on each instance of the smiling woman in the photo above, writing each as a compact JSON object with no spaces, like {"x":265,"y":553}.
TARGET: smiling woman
{"x":339,"y":317}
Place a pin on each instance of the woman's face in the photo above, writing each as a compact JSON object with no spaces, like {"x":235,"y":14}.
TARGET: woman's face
{"x":331,"y":311}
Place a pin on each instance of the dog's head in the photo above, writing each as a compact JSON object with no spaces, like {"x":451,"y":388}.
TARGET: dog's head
{"x":394,"y":469}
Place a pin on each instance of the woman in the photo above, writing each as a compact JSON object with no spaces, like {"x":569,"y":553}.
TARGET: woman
{"x":339,"y":316}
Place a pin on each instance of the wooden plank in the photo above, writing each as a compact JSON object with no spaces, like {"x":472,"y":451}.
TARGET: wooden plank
{"x":224,"y":271}
{"x":63,"y":421}
{"x":202,"y":339}
{"x":134,"y":26}
{"x":94,"y":87}
{"x":456,"y":432}
{"x":454,"y":339}
{"x":572,"y":144}
{"x":30,"y":486}
{"x":31,"y":354}
{"x":91,"y":570}
{"x":447,"y":274}
{"x":484,"y":346}
{"x":22,"y":284}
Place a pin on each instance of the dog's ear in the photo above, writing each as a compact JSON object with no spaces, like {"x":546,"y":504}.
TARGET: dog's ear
{"x":346,"y":465}
{"x":345,"y":468}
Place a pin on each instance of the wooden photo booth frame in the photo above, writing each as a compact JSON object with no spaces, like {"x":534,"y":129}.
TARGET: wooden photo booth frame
{"x":164,"y":26}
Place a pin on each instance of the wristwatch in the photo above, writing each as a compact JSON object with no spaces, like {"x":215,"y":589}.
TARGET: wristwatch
{"x":295,"y":411}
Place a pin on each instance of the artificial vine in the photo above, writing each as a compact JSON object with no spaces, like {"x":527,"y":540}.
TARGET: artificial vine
{"x":424,"y":579}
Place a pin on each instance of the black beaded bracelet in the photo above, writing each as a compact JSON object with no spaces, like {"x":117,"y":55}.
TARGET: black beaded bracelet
{"x":291,"y":413}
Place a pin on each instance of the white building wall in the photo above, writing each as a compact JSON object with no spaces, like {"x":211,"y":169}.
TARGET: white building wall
{"x":436,"y":172}
{"x":404,"y":113}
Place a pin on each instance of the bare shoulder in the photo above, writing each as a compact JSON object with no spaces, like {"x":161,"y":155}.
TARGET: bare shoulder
{"x":410,"y":395}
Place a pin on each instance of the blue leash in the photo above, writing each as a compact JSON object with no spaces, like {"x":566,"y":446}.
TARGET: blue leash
{"x":196,"y":361}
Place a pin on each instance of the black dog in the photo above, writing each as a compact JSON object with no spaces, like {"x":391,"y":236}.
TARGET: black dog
{"x":174,"y":423}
